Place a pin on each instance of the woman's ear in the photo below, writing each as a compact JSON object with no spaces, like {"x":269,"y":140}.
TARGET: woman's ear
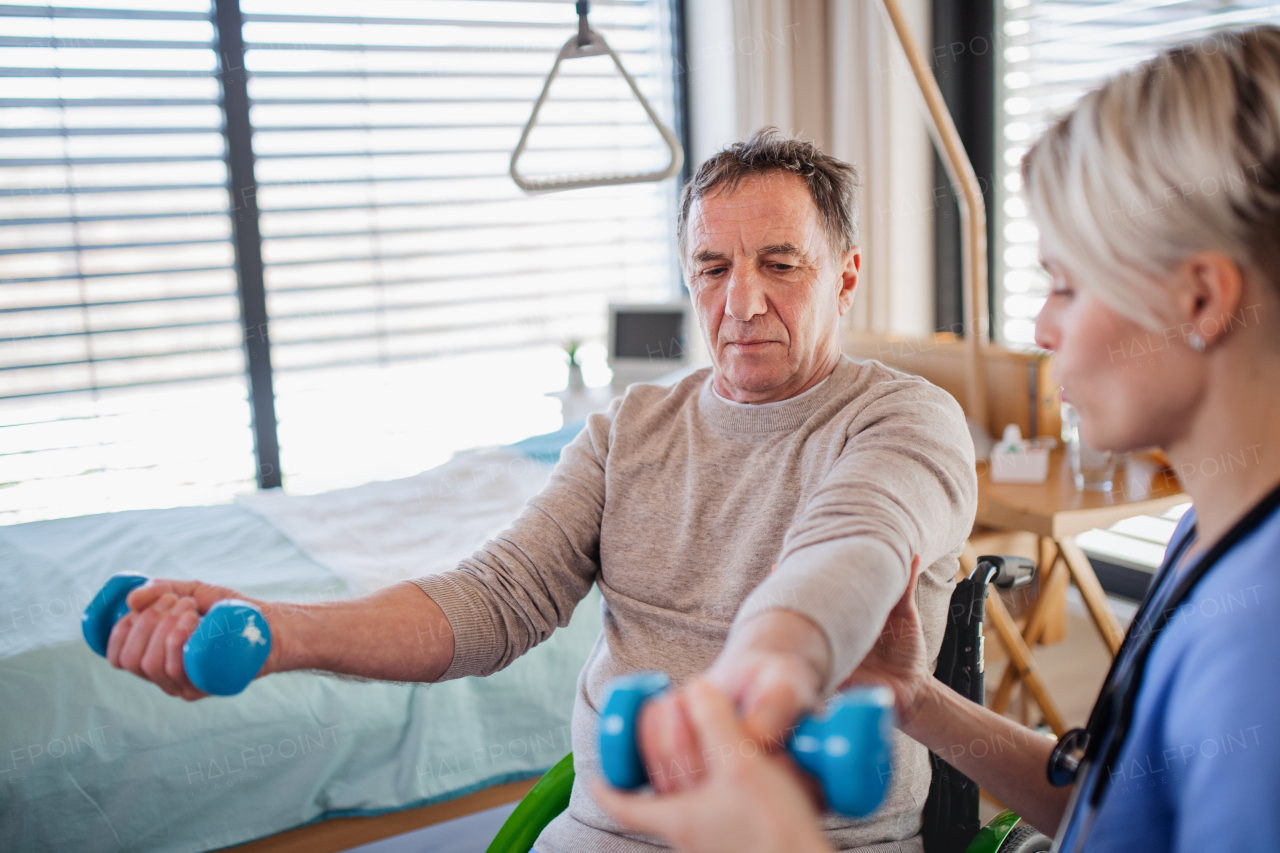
{"x":1212,"y":296}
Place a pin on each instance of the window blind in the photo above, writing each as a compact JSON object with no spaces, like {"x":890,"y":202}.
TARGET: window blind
{"x":1052,"y":52}
{"x":418,"y":299}
{"x":121,"y":380}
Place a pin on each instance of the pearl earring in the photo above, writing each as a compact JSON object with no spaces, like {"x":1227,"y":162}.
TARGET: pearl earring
{"x":1197,"y":343}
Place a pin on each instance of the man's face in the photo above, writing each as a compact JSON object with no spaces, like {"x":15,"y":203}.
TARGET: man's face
{"x":767,"y":287}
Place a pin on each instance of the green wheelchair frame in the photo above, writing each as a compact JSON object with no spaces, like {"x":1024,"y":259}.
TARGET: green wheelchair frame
{"x":1004,"y":833}
{"x":951,"y":810}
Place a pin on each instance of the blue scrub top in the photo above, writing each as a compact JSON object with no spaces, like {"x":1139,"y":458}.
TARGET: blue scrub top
{"x":1200,"y":768}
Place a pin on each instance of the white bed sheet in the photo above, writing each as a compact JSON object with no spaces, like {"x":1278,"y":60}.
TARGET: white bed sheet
{"x":374,"y":535}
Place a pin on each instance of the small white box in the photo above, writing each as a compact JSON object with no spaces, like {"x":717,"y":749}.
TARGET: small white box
{"x":1024,"y":465}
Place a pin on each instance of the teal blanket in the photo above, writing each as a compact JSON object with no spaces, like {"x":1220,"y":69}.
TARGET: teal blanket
{"x":94,"y":759}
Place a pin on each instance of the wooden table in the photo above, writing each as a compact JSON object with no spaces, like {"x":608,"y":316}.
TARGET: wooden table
{"x":1056,"y":512}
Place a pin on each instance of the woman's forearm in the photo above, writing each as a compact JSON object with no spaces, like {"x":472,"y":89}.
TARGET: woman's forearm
{"x":395,"y":634}
{"x":1005,"y":758}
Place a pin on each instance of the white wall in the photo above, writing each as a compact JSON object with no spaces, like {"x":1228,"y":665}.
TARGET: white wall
{"x":878,"y":122}
{"x":713,"y":84}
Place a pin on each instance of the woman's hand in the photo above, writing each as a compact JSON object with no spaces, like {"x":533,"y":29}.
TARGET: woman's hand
{"x":898,"y":660}
{"x":746,"y":801}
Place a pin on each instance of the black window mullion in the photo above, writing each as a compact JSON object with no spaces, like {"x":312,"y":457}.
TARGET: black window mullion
{"x":248,"y":240}
{"x":965,"y":43}
{"x":680,"y":66}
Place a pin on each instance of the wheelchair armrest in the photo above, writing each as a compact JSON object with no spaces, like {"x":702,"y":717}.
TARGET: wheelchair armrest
{"x":1004,"y":571}
{"x":1005,"y":833}
{"x":545,"y":800}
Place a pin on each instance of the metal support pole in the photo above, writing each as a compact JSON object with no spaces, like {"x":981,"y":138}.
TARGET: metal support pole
{"x":973,"y":214}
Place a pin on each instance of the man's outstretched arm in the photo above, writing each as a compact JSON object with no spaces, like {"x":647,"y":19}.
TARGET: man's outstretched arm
{"x":395,"y":634}
{"x":903,"y":490}
{"x":504,"y":599}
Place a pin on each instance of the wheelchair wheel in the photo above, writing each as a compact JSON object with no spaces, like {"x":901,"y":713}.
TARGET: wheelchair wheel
{"x":1025,"y":839}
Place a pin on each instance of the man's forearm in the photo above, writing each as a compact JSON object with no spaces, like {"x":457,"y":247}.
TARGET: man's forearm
{"x":774,"y":666}
{"x":784,"y":632}
{"x":395,"y":634}
{"x":1004,"y":758}
{"x":843,"y":587}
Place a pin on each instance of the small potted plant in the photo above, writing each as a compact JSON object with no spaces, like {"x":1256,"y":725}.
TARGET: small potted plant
{"x":575,"y":370}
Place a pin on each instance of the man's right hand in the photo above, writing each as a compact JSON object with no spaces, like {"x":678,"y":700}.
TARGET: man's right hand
{"x":163,"y":614}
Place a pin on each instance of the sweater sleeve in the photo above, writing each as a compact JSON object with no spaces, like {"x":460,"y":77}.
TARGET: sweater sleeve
{"x":903,"y":484}
{"x":523,"y":584}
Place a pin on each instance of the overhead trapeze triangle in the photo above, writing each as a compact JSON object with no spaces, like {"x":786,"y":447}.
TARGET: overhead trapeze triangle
{"x":587,"y":42}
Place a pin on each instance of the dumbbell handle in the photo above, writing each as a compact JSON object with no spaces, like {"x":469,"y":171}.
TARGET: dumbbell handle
{"x":847,"y":746}
{"x":225,"y":653}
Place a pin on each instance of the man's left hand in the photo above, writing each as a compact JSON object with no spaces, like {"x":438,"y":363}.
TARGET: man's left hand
{"x":773,"y":669}
{"x":749,"y":802}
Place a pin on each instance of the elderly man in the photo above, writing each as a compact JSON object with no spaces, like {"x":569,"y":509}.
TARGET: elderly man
{"x":756,"y":521}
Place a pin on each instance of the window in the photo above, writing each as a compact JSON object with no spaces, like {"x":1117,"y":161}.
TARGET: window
{"x":122,"y":379}
{"x":419,"y":301}
{"x":1054,"y":52}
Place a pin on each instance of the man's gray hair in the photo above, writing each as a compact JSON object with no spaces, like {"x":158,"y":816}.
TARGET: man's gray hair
{"x":1178,"y":155}
{"x":832,"y":183}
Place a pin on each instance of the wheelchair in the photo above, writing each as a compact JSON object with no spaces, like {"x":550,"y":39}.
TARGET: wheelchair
{"x":951,"y":823}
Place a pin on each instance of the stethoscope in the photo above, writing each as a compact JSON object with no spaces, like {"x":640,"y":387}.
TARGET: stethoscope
{"x":1100,"y":741}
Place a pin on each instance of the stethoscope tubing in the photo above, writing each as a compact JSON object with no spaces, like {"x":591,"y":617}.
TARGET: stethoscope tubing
{"x":1112,"y":715}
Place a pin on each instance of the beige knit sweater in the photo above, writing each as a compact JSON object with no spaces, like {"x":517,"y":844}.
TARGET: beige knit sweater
{"x":678,"y":503}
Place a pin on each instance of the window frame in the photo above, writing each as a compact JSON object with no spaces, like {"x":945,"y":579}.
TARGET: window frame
{"x":238,"y":131}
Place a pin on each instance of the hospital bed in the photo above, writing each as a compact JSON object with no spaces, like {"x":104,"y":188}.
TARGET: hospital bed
{"x":92,"y":758}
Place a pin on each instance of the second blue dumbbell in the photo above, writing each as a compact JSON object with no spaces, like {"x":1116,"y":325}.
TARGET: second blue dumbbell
{"x":224,"y":654}
{"x":847,"y":746}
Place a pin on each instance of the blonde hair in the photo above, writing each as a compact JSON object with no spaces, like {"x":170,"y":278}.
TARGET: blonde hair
{"x":1178,"y":155}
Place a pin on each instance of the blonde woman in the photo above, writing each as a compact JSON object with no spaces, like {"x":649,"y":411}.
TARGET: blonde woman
{"x":1158,"y":202}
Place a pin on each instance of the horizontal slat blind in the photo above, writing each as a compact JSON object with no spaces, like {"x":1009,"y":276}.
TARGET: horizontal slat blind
{"x":396,"y":243}
{"x":1051,"y":53}
{"x":121,"y":380}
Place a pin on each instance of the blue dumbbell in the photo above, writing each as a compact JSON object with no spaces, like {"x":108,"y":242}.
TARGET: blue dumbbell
{"x":847,"y":746}
{"x":221,"y":657}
